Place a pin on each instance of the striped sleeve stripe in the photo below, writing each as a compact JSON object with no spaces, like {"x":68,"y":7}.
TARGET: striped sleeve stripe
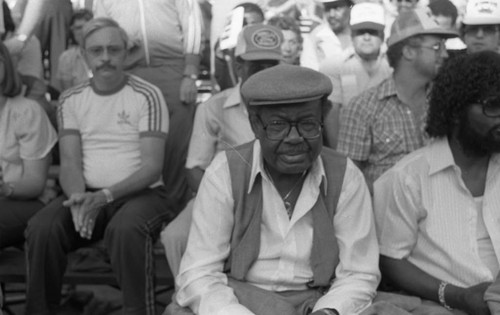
{"x":153,"y":99}
{"x":193,"y":40}
{"x":65,"y":96}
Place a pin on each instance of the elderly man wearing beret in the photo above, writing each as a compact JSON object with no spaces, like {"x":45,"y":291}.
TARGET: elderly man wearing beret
{"x":281,"y":225}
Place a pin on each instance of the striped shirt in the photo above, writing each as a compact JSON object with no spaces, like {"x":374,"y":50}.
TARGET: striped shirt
{"x":162,"y":30}
{"x":110,"y":126}
{"x":425,"y":213}
{"x":379,"y":129}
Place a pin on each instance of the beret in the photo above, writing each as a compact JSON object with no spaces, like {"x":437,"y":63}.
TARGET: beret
{"x":285,"y":84}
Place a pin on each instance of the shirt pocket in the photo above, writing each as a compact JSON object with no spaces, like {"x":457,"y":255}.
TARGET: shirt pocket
{"x":388,"y":143}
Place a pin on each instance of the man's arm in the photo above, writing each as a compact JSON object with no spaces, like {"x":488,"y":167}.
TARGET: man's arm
{"x":192,"y":28}
{"x":203,"y":142}
{"x":357,"y":274}
{"x":415,"y":281}
{"x":71,"y":174}
{"x":399,"y":211}
{"x":31,"y":183}
{"x":152,"y":152}
{"x":33,"y":13}
{"x":201,"y":281}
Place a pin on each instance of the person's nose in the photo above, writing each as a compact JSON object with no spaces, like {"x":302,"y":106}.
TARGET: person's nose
{"x":294,"y":135}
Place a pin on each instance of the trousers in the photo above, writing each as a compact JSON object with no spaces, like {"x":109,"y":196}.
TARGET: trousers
{"x":14,"y":216}
{"x":129,"y":227}
{"x":263,"y":302}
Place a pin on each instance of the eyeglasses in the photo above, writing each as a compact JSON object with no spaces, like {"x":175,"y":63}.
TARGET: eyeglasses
{"x":279,"y":129}
{"x":474,"y":29}
{"x":112,"y":51}
{"x":491,"y":106}
{"x":438,"y":47}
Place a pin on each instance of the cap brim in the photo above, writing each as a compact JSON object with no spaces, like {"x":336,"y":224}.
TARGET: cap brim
{"x":260,"y":56}
{"x":483,"y":20}
{"x":287,"y":101}
{"x":367,"y":25}
{"x":433,"y":31}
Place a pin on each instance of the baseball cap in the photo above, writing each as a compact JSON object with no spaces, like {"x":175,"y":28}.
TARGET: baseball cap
{"x":343,"y":2}
{"x":285,"y":84}
{"x":259,"y":42}
{"x":367,"y":16}
{"x":482,"y":12}
{"x":418,"y":21}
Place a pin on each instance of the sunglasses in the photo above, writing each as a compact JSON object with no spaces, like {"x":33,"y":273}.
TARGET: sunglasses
{"x":367,"y":31}
{"x":474,"y":29}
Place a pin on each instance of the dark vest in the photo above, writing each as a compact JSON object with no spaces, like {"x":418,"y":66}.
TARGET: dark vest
{"x":245,"y":239}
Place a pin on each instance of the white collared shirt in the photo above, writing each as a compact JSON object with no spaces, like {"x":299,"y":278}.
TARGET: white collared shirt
{"x":220,"y":123}
{"x":283,"y":261}
{"x":425,"y":213}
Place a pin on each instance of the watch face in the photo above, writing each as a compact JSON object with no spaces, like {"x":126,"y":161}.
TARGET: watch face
{"x":22,"y":37}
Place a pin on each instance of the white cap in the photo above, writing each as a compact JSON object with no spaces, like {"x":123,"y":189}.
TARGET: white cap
{"x":481,"y":12}
{"x":367,"y":15}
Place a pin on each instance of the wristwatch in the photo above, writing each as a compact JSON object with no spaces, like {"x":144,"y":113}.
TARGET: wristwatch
{"x":22,"y":37}
{"x":191,"y":76}
{"x":108,"y":194}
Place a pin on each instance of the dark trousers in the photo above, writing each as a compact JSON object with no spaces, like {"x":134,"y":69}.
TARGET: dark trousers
{"x":14,"y":216}
{"x":168,"y":78}
{"x":128,"y":226}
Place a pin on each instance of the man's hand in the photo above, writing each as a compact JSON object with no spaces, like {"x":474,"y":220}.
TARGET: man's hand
{"x":15,"y":46}
{"x":473,"y":299}
{"x":188,"y":91}
{"x":84,"y":210}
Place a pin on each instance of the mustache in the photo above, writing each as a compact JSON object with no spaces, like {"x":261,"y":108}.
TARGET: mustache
{"x":106,"y":65}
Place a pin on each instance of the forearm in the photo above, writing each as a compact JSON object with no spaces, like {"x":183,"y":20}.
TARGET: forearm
{"x":32,"y":15}
{"x":408,"y":277}
{"x":137,"y":181}
{"x":192,"y":64}
{"x":71,"y":179}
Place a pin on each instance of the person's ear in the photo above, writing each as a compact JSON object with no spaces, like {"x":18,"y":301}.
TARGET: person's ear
{"x":409,"y":52}
{"x":255,"y":124}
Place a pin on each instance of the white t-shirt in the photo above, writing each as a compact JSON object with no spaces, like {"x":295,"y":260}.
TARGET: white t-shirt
{"x":111,"y":125}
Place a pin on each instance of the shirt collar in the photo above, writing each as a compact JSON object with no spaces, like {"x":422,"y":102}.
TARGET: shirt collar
{"x":234,"y":97}
{"x":387,"y":88}
{"x":317,"y":171}
{"x":440,"y":156}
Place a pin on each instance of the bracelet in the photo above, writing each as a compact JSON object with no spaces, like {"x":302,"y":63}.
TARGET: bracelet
{"x":442,"y":301}
{"x":108,"y":194}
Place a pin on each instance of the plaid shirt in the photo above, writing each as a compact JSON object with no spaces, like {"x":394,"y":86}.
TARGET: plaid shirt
{"x":379,"y":129}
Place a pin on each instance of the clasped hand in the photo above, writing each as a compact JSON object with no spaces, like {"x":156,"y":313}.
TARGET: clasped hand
{"x":84,"y":210}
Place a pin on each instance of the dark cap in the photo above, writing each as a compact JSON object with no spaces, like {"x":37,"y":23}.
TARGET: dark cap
{"x":285,"y":84}
{"x":259,"y":42}
{"x":416,"y":22}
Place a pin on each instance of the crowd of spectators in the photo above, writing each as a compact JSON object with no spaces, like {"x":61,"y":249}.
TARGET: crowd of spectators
{"x":104,"y":134}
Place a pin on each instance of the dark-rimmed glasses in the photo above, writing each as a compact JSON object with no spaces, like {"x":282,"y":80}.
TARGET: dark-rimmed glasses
{"x":279,"y":129}
{"x":491,"y":106}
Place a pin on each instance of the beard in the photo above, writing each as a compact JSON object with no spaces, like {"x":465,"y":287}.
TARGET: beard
{"x":476,"y":143}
